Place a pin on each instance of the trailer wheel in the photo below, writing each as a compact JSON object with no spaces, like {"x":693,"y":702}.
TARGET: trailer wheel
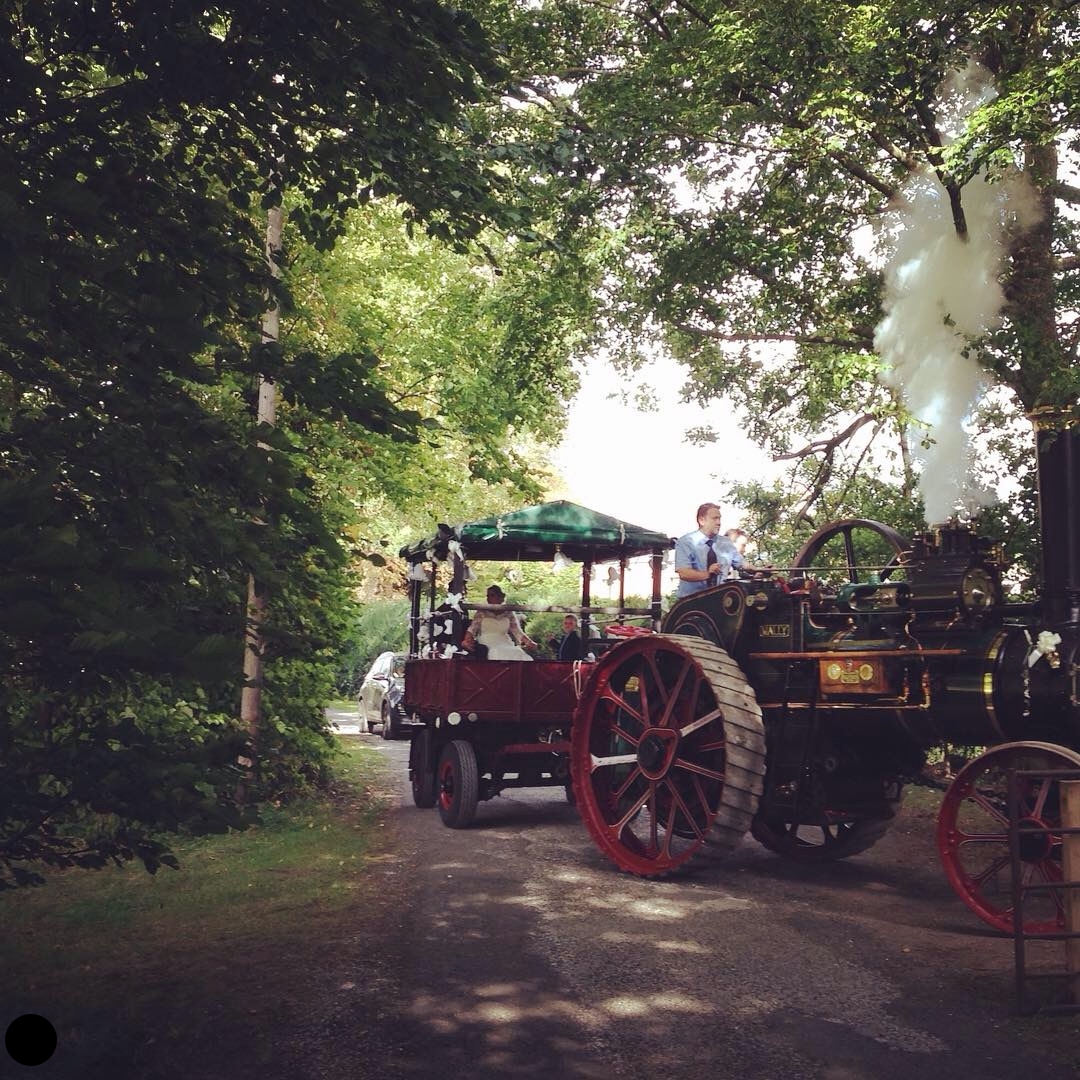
{"x":667,"y":753}
{"x":422,"y":769}
{"x":973,"y":835}
{"x":459,"y":784}
{"x":821,"y":842}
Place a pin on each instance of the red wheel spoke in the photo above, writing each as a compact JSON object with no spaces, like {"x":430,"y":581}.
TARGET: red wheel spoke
{"x":616,"y":827}
{"x":1030,"y":874}
{"x":622,"y":789}
{"x":621,"y":703}
{"x":700,"y":770}
{"x":618,"y":732}
{"x":615,"y":759}
{"x":703,"y":721}
{"x":1040,"y":799}
{"x":646,"y":678}
{"x":1052,"y":874}
{"x":656,"y":680}
{"x":675,"y":692}
{"x":984,"y":803}
{"x":668,"y":812}
{"x":991,"y":870}
{"x":637,"y":677}
{"x":699,"y":791}
{"x":677,"y":801}
{"x":981,"y":838}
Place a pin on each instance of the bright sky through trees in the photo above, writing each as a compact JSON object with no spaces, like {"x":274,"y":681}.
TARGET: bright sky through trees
{"x":639,"y":466}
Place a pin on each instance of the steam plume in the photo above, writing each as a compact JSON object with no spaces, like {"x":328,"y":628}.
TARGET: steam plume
{"x":941,"y":291}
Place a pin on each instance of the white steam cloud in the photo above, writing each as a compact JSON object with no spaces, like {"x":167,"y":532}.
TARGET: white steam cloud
{"x":941,"y":291}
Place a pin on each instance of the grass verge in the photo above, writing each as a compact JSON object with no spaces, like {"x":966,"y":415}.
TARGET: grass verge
{"x":182,"y":973}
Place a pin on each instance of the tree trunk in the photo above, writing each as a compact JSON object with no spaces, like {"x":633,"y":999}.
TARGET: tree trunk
{"x":1031,"y":290}
{"x":266,"y":412}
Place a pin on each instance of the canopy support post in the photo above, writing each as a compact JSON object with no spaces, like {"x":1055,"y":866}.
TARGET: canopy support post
{"x":656,"y":562}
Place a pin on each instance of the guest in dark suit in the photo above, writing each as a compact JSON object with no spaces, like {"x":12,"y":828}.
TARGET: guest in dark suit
{"x":568,"y":647}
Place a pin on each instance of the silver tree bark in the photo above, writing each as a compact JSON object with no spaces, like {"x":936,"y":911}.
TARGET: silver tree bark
{"x":251,"y":695}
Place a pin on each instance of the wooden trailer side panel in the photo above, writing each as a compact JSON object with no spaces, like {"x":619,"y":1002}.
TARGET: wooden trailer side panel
{"x":541,"y":692}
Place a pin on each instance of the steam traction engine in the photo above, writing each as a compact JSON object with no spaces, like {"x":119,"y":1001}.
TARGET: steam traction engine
{"x":799,"y":709}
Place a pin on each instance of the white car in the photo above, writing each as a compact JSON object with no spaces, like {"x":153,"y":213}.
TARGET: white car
{"x":381,"y":695}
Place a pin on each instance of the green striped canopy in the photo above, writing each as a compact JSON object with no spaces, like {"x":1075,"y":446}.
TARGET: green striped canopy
{"x":532,"y":534}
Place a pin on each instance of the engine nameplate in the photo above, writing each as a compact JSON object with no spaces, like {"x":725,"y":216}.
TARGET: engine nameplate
{"x":853,"y":675}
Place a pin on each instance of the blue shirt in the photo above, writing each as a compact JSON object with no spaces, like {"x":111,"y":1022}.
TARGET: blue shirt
{"x":690,"y":551}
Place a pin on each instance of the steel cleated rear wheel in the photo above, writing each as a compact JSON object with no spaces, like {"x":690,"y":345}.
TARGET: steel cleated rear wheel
{"x":667,"y":753}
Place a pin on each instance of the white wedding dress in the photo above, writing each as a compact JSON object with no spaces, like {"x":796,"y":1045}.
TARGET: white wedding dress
{"x":499,"y":632}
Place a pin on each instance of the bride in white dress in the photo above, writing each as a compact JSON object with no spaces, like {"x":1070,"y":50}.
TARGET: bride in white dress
{"x":498,"y":630}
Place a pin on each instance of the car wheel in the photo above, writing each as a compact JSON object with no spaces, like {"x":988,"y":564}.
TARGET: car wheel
{"x":391,"y":722}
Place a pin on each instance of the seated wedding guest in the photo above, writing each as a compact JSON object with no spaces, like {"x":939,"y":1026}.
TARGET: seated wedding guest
{"x":568,"y":646}
{"x":498,"y":630}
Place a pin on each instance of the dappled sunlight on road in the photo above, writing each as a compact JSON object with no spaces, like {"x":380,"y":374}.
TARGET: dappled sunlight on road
{"x":508,"y":1028}
{"x":619,"y":938}
{"x":521,"y":954}
{"x":807,"y":966}
{"x":625,"y":1005}
{"x":661,"y":909}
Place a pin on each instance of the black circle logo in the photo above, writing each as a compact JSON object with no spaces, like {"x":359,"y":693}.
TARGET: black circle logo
{"x":30,"y":1039}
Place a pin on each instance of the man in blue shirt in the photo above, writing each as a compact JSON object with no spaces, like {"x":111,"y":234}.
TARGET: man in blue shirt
{"x":702,"y":557}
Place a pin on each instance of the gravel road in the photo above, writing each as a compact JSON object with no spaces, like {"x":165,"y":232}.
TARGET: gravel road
{"x":513,"y":949}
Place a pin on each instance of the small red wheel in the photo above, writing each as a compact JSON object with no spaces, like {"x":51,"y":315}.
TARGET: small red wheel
{"x":667,"y":753}
{"x":459,"y":784}
{"x":422,"y":768}
{"x":973,"y":835}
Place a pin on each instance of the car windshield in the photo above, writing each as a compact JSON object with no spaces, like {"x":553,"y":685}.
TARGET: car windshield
{"x":399,"y":668}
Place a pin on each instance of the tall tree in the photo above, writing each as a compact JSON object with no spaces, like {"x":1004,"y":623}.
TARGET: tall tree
{"x":136,"y":493}
{"x":747,"y":151}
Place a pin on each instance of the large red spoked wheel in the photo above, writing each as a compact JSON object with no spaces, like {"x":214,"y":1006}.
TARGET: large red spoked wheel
{"x":667,"y":753}
{"x":973,"y":835}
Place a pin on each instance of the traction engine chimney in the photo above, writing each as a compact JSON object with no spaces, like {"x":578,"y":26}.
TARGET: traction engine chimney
{"x":1058,"y":459}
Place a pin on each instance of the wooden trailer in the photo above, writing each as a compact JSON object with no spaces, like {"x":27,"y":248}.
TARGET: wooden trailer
{"x":489,"y":725}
